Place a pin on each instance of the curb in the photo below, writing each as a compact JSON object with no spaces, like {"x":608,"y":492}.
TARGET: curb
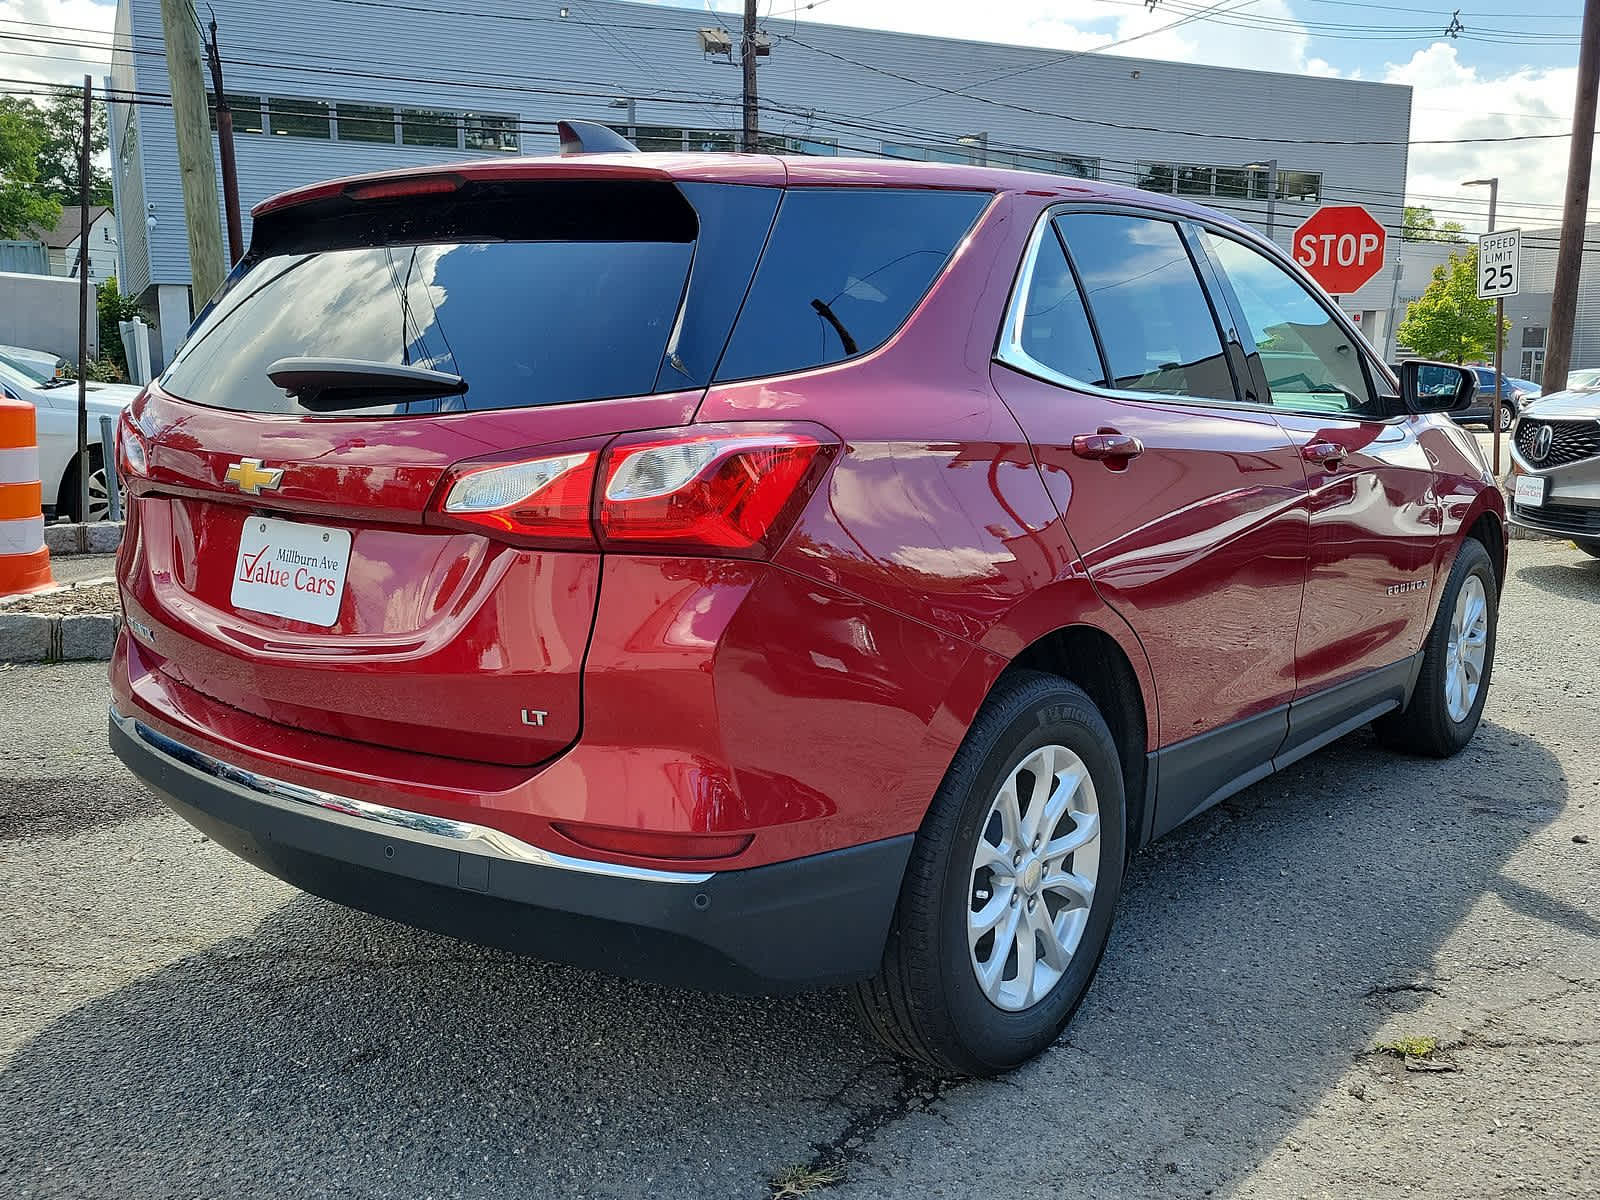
{"x":98,"y":537}
{"x":43,"y":638}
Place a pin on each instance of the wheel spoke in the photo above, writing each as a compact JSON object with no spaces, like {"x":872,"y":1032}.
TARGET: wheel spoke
{"x":990,"y":915}
{"x":1010,"y":814}
{"x":996,"y":858}
{"x":1084,"y":831}
{"x":990,"y":971}
{"x":1042,"y":765}
{"x":1027,"y":959}
{"x":1078,"y":889}
{"x":1056,"y":954}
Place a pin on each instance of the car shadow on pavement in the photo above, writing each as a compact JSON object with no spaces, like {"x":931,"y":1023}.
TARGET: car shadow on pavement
{"x":1577,"y":578}
{"x":328,"y":1052}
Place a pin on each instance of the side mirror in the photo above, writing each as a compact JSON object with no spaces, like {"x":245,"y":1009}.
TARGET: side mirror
{"x":1437,"y":387}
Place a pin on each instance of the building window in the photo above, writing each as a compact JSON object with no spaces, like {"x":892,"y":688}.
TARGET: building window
{"x":1533,"y":337}
{"x":1193,"y":181}
{"x":430,"y":127}
{"x":710,"y":141}
{"x":1155,"y":177}
{"x":823,"y":147}
{"x":1053,"y":164}
{"x":656,"y":137}
{"x":1233,"y":183}
{"x":300,"y":118}
{"x":1302,"y":187}
{"x":246,"y":112}
{"x":365,"y":123}
{"x":487,"y":131}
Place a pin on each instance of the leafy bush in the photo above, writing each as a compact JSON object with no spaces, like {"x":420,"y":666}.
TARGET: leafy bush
{"x":101,"y":370}
{"x":113,"y":307}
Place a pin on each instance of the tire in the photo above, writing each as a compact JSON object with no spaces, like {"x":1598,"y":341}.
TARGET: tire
{"x":99,"y":504}
{"x":1427,"y":725}
{"x":1592,"y":549}
{"x":927,"y":1002}
{"x":1508,"y":417}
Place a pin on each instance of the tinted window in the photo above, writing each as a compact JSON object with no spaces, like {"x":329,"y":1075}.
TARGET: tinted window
{"x":524,"y":323}
{"x":1154,"y":320}
{"x":535,"y":293}
{"x":1055,"y":328}
{"x":843,"y":269}
{"x":1312,"y":364}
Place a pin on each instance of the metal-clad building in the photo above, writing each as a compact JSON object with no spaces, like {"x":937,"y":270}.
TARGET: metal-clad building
{"x":1528,"y":312}
{"x":323,"y":88}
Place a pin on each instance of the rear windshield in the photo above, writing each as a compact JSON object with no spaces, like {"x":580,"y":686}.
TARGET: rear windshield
{"x":552,"y":293}
{"x":524,"y":323}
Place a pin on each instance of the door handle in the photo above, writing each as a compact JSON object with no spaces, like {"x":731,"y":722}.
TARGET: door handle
{"x":1107,"y":444}
{"x":1330,"y":454}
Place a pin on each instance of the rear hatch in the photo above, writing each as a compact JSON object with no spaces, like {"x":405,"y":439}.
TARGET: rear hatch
{"x":284,"y":557}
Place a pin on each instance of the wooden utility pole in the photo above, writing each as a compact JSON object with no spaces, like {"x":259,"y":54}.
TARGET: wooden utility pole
{"x":83,"y":307}
{"x":1574,"y":214}
{"x":230,"y":172}
{"x":747,"y":50}
{"x":198,"y":176}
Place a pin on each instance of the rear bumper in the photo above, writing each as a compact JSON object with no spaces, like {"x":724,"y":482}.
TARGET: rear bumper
{"x":809,"y":922}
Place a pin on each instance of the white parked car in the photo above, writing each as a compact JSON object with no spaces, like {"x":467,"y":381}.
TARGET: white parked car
{"x":56,"y":401}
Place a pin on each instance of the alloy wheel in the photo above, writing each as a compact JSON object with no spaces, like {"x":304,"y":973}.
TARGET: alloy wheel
{"x":99,"y":497}
{"x":1466,"y":649}
{"x":1033,"y":878}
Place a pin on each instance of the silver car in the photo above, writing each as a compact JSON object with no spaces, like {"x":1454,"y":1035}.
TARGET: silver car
{"x":1555,"y":455}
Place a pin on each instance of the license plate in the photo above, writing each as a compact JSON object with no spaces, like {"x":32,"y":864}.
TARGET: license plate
{"x":291,"y":570}
{"x":1530,"y":490}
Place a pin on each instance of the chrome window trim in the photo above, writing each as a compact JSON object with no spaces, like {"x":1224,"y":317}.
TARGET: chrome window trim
{"x":381,"y":819}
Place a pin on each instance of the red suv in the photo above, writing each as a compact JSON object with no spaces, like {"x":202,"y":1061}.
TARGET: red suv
{"x":760,"y":574}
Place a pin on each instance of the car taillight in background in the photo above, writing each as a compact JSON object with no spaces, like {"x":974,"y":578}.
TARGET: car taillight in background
{"x":719,"y":489}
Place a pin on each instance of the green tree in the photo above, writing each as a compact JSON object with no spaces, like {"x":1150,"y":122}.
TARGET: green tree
{"x":62,"y":126}
{"x":23,"y":203}
{"x":1420,"y":226}
{"x":1448,"y":321}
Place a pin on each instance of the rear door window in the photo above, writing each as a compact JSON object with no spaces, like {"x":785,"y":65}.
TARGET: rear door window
{"x":1153,"y":316}
{"x":842,"y":271}
{"x":541,"y":294}
{"x":1054,"y":330}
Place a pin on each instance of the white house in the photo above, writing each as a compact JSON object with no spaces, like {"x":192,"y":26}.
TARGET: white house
{"x":61,"y":242}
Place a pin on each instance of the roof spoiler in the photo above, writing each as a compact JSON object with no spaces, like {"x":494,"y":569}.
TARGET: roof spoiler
{"x":590,"y":137}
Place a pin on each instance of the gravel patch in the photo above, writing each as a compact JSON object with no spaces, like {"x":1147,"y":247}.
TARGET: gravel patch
{"x":77,"y":600}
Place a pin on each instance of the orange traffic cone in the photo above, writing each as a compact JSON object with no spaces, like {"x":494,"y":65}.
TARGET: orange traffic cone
{"x":24,"y":560}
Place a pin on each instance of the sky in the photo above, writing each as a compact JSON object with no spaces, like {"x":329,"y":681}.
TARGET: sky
{"x":1511,"y":70}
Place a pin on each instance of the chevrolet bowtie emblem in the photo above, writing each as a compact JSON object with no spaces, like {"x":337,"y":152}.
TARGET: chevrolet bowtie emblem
{"x":250,"y":476}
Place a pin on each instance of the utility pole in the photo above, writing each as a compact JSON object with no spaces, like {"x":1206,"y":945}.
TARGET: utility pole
{"x":199,"y":179}
{"x":83,"y":308}
{"x":230,"y":172}
{"x":1574,"y":214}
{"x":747,"y":51}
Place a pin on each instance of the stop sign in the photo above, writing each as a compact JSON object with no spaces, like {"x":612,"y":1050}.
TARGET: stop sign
{"x":1341,"y":246}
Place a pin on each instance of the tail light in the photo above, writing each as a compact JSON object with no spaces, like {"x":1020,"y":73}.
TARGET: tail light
{"x":132,"y":459}
{"x":720,"y":489}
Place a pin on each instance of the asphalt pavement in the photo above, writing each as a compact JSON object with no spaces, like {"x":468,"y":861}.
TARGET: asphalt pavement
{"x":174,"y":1023}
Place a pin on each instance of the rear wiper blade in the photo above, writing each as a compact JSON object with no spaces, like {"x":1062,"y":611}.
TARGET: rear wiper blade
{"x":327,"y":384}
{"x":825,"y":311}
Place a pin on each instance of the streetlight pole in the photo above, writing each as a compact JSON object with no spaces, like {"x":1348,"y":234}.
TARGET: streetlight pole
{"x":631,"y":105}
{"x":1271,"y":168}
{"x":980,"y":143}
{"x":1499,"y":322}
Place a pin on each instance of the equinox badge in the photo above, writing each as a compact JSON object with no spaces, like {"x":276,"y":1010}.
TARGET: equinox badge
{"x":250,"y":476}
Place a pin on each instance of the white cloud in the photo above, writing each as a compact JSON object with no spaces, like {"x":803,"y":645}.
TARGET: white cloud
{"x":45,"y":61}
{"x":1453,"y":100}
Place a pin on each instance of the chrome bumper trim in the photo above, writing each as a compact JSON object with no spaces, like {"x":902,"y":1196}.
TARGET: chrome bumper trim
{"x":380,"y":819}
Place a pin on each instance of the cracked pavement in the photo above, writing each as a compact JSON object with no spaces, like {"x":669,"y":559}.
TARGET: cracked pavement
{"x":174,"y":1023}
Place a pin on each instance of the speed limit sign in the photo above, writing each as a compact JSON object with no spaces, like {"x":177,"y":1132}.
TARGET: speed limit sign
{"x":1499,"y":256}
